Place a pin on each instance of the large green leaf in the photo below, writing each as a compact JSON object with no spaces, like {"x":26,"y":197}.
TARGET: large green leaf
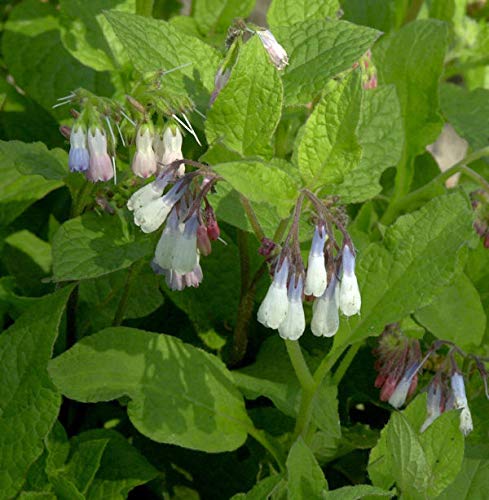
{"x":467,"y":112}
{"x":319,"y":50}
{"x":216,"y":16}
{"x":404,"y":61}
{"x":35,"y":56}
{"x":460,"y":307}
{"x":419,"y":256}
{"x":472,"y":481}
{"x":247,"y":110}
{"x":179,"y":394}
{"x":87,"y":34}
{"x":29,"y":403}
{"x":287,"y":12}
{"x":262,"y":183}
{"x":19,"y":191}
{"x":329,"y":148}
{"x":381,"y":137}
{"x":154,"y":45}
{"x":357,"y":492}
{"x":94,"y":245}
{"x":384,"y":15}
{"x":305,"y":479}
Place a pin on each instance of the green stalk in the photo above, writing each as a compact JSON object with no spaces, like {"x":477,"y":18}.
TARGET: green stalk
{"x":429,"y":190}
{"x":299,"y":364}
{"x":144,"y":7}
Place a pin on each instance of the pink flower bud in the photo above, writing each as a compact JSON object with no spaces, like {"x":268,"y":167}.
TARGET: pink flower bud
{"x":203,"y":241}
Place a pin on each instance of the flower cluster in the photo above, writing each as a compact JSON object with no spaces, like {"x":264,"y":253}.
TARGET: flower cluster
{"x":329,"y":280}
{"x":399,"y":363}
{"x":189,"y":230}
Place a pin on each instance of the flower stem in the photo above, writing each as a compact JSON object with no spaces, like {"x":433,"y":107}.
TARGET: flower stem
{"x":432,"y":188}
{"x":299,"y":364}
{"x":346,"y":362}
{"x":250,"y":213}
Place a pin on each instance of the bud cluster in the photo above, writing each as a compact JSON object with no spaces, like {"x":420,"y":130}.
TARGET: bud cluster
{"x":329,"y":279}
{"x":189,"y":229}
{"x":398,"y":364}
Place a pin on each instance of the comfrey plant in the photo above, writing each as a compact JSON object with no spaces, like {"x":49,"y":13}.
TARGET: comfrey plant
{"x":227,"y":233}
{"x":399,"y":364}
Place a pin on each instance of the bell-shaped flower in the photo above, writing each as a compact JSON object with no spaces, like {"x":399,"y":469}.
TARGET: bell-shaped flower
{"x":433,"y":403}
{"x":460,"y":402}
{"x":273,"y":309}
{"x":166,"y":245}
{"x":398,"y":397}
{"x":350,"y":300}
{"x":151,"y":216}
{"x":325,"y":317}
{"x":277,"y":53}
{"x":148,"y":193}
{"x":144,"y":161}
{"x":294,"y":323}
{"x":78,"y":159}
{"x":316,"y":276}
{"x":185,"y":256}
{"x":101,"y":168}
{"x":172,"y":147}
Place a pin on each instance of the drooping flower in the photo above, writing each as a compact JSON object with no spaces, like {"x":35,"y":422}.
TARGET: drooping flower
{"x":294,"y":323}
{"x":434,"y":402}
{"x":316,"y":276}
{"x":144,"y":161}
{"x":220,"y":80}
{"x":325,"y":319}
{"x":277,"y":53}
{"x":350,"y":300}
{"x":398,"y":397}
{"x":178,"y":282}
{"x":101,"y":168}
{"x":172,"y":147}
{"x":79,"y":158}
{"x":460,"y":402}
{"x":274,"y":307}
{"x":148,"y":193}
{"x":151,"y":216}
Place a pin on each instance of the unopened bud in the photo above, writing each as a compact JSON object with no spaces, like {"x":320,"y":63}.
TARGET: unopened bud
{"x":203,"y":241}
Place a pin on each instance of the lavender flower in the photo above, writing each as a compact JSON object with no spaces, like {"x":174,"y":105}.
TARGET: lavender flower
{"x":144,"y":161}
{"x":277,"y":53}
{"x":148,"y":193}
{"x":460,"y":402}
{"x":79,"y":158}
{"x":433,"y":403}
{"x":100,"y":163}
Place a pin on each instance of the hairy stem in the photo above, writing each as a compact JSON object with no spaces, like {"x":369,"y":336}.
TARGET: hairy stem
{"x":346,"y":362}
{"x":299,"y":364}
{"x":250,"y":213}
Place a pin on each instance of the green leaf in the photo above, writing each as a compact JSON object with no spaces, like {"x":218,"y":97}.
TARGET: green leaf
{"x":29,"y":244}
{"x":18,"y":191}
{"x":262,"y":183}
{"x":216,"y":16}
{"x":305,"y":479}
{"x":120,"y":468}
{"x":29,"y":403}
{"x":99,"y":299}
{"x":471,"y":482}
{"x":381,"y":138}
{"x":154,"y":45}
{"x":87,"y":35}
{"x":287,"y":12}
{"x":357,"y":492}
{"x":419,"y":257}
{"x":379,"y":14}
{"x":263,"y":489}
{"x":329,"y":148}
{"x":409,"y":462}
{"x":456,"y":314}
{"x":443,"y":444}
{"x":35,"y":56}
{"x":467,"y":112}
{"x":92,"y":245}
{"x":403,"y":60}
{"x":179,"y":394}
{"x":247,"y":110}
{"x":319,"y":50}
